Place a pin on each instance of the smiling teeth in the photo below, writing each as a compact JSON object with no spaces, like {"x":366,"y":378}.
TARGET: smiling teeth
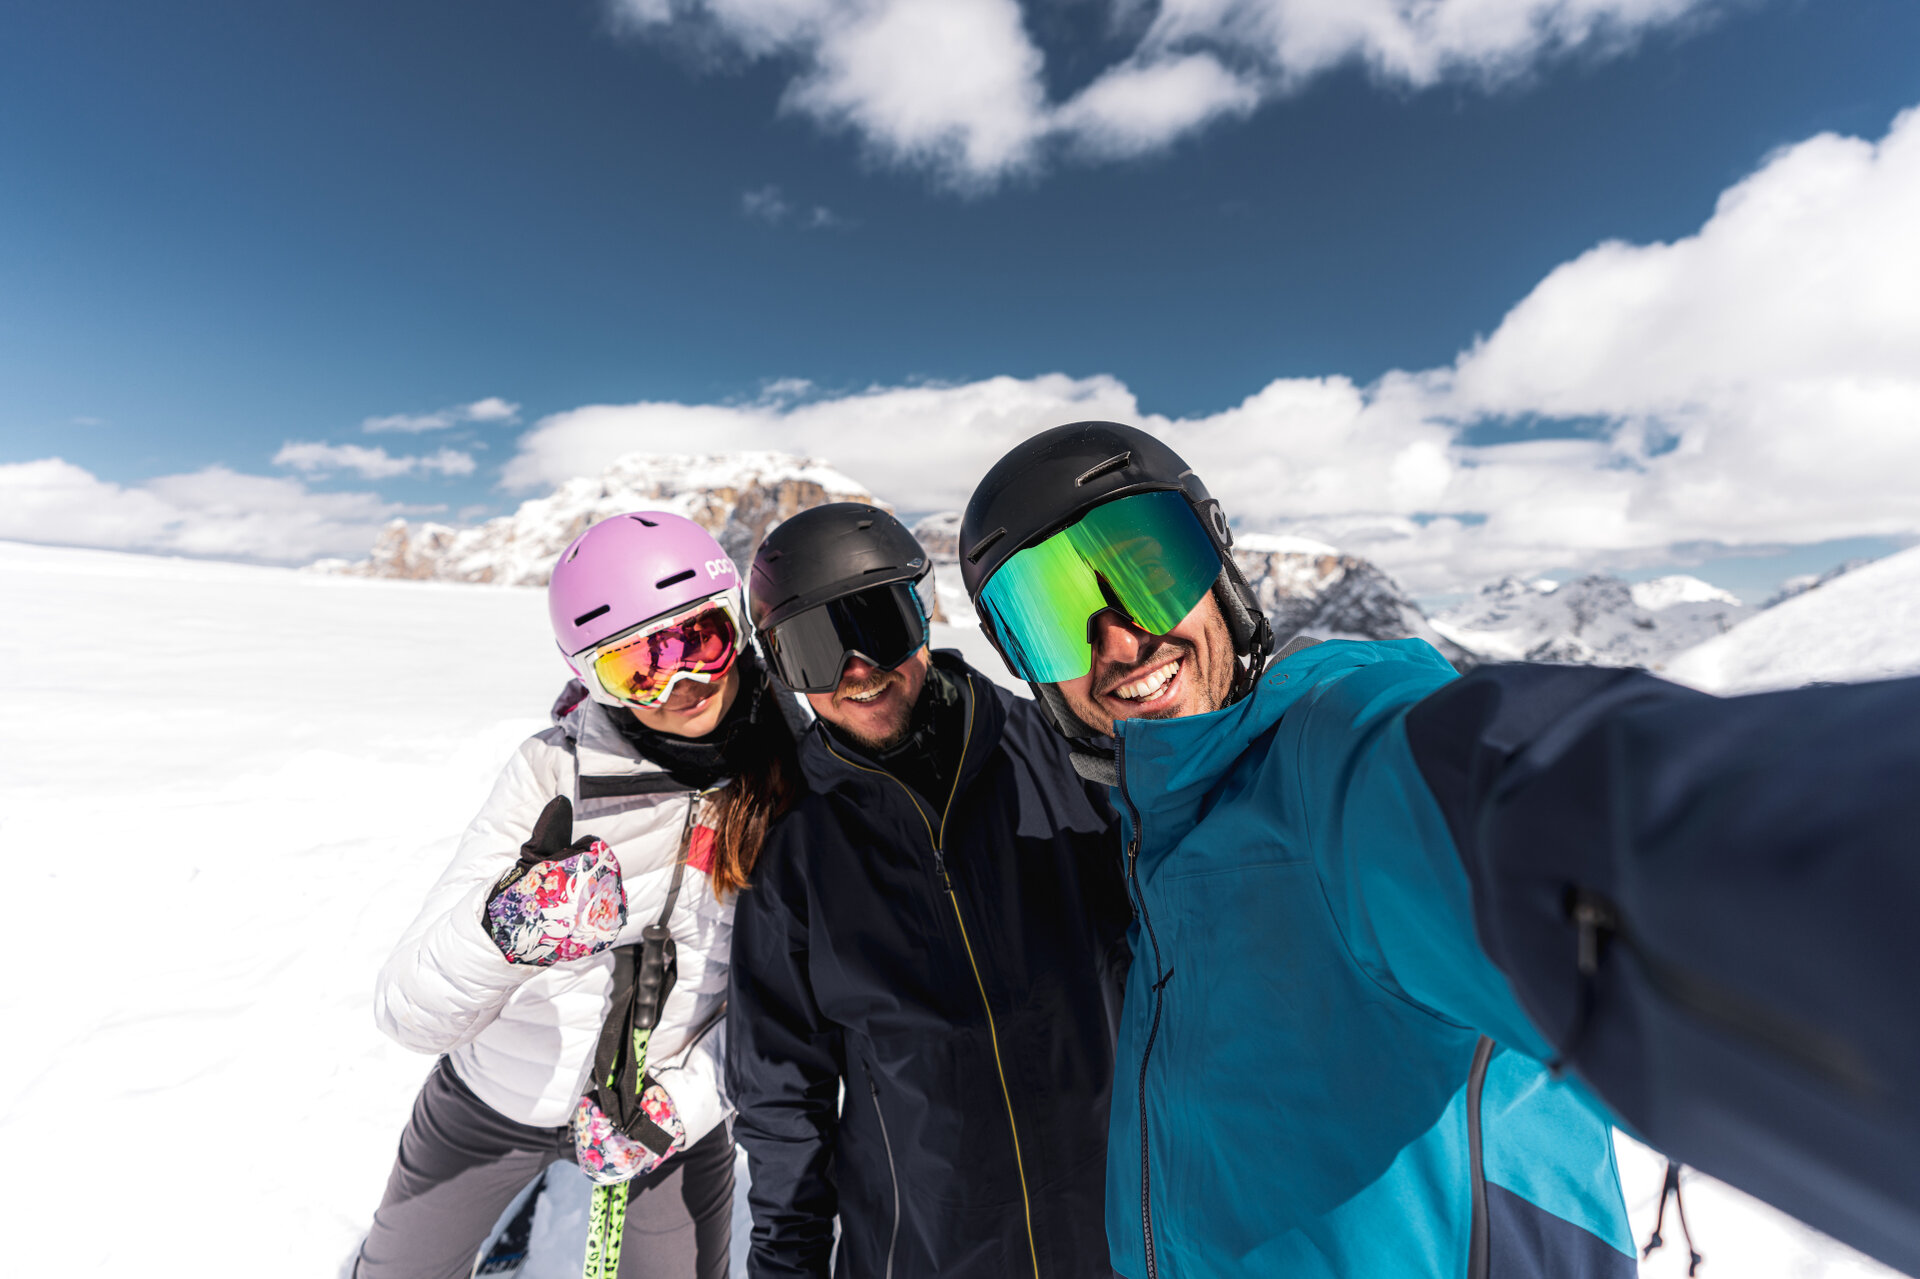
{"x":867,"y":697}
{"x":1141,"y":689}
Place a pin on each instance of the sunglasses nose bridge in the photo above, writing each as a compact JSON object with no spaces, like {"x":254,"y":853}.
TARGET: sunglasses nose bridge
{"x":1093,"y":623}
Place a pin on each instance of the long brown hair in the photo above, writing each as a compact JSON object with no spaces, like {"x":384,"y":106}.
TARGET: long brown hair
{"x":747,"y":807}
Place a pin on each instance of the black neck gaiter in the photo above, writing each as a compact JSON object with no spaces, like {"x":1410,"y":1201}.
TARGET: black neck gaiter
{"x":752,"y":731}
{"x":929,"y":755}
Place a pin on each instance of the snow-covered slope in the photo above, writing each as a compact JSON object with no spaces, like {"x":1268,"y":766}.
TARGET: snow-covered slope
{"x":1861,"y":626}
{"x":735,"y":496}
{"x":1597,"y":619}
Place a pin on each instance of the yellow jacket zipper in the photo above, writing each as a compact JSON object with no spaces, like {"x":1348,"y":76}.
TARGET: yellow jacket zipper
{"x":938,"y":840}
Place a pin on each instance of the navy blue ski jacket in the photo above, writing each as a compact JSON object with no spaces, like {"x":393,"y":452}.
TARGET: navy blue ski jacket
{"x":1710,"y":909}
{"x":922,"y":1010}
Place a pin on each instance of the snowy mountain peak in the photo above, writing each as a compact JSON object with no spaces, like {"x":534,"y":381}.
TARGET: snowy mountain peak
{"x":1664,"y":592}
{"x":1279,"y":544}
{"x":1309,"y":588}
{"x":735,"y":496}
{"x":1595,"y":619}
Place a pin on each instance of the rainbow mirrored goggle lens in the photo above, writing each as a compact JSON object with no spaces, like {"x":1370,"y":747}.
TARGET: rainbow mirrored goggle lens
{"x":643,"y":665}
{"x":1147,"y":555}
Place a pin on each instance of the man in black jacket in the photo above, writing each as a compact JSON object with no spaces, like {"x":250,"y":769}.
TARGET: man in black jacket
{"x":927,"y":964}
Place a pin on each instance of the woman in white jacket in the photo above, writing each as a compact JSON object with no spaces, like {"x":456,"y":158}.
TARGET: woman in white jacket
{"x":575,"y":988}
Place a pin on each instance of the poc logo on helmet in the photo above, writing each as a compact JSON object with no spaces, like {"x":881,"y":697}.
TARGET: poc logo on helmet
{"x":719,"y":568}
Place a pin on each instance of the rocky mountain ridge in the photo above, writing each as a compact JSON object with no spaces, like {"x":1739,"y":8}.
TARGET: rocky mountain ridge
{"x":1595,"y":620}
{"x":736,"y":497}
{"x":1306,"y":587}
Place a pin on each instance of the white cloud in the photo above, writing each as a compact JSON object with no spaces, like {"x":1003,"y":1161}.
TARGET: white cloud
{"x":1757,"y":383}
{"x":214,"y":512}
{"x":921,"y":446}
{"x":958,"y":86}
{"x":1139,"y":106}
{"x":767,"y":204}
{"x":491,"y":409}
{"x":313,"y":458}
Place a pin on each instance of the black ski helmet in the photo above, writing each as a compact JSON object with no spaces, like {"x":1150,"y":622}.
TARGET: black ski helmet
{"x":1051,"y":480}
{"x":824,"y":554}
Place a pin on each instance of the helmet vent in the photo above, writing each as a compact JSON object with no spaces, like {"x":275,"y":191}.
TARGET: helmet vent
{"x":644,"y":520}
{"x":864,"y":524}
{"x":980,"y":547}
{"x":1118,"y":462}
{"x":665,"y":582}
{"x":589,"y":615}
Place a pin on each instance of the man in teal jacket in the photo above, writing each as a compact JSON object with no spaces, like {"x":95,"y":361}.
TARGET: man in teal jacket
{"x":1353,"y":919}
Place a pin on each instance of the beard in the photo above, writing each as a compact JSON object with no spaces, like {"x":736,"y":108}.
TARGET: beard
{"x":895,"y":730}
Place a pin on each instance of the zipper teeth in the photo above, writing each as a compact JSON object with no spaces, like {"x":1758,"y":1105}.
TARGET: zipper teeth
{"x":938,"y":839}
{"x":1153,"y":1030}
{"x":893,"y":1174}
{"x":1478,"y":1239}
{"x":994,"y":1036}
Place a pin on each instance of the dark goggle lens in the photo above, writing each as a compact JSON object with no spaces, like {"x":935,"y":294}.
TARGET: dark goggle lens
{"x":1147,"y":555}
{"x":883,"y":624}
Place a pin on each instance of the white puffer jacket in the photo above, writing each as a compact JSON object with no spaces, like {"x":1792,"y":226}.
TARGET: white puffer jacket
{"x":523,"y":1038}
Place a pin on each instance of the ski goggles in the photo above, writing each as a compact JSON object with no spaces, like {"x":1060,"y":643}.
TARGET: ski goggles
{"x":882,"y":625}
{"x":644,"y":664}
{"x":1146,"y":555}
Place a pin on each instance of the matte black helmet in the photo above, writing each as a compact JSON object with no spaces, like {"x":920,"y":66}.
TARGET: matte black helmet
{"x":1052,"y":480}
{"x":835,"y":582}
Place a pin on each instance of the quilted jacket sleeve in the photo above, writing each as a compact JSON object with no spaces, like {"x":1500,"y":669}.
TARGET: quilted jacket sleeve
{"x":446,"y":981}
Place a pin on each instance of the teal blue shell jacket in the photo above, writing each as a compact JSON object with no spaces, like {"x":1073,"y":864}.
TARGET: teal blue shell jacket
{"x":1319,"y":1071}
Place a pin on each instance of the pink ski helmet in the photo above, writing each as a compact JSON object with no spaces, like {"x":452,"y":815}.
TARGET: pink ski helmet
{"x":627,"y":571}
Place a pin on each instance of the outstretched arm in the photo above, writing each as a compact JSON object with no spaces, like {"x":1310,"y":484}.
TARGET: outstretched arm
{"x":1708,"y":909}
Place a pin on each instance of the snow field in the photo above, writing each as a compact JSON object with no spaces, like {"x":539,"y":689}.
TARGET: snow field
{"x":227,"y":789}
{"x":1864,"y":625}
{"x":224,"y":791}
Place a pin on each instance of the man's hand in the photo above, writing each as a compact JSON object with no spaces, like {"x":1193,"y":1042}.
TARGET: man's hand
{"x":562,"y":900}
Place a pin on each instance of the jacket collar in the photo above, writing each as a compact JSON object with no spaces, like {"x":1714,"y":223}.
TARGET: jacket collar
{"x":829,"y":764}
{"x":1169,"y":767}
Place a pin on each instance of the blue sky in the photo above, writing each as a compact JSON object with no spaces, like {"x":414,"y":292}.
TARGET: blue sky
{"x":226,"y":227}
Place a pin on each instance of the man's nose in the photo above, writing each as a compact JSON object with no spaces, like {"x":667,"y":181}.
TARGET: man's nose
{"x":857,"y":671}
{"x":1115,"y":638}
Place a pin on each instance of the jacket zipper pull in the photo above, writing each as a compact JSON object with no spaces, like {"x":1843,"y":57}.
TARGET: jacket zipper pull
{"x":1597,"y":919}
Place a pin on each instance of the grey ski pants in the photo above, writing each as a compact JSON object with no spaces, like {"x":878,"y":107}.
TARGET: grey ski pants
{"x":461,"y":1162}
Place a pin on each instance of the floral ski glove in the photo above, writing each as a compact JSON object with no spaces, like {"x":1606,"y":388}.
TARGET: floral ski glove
{"x":561,"y":900}
{"x":607,"y":1155}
